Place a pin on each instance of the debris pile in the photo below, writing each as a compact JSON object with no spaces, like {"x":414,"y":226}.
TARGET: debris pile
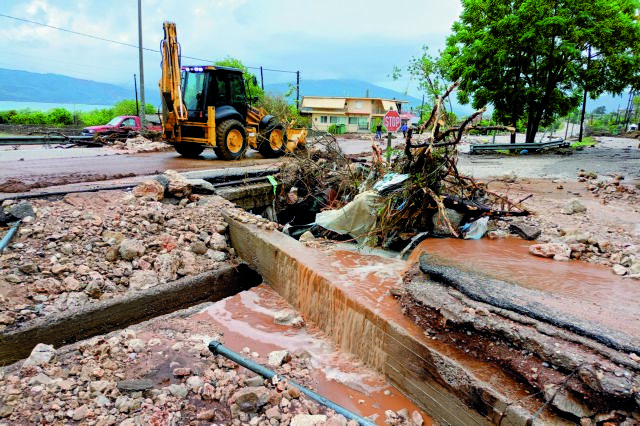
{"x":90,"y":246}
{"x":139,"y":144}
{"x":417,"y":191}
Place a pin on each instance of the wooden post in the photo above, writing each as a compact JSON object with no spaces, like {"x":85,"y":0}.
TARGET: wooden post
{"x":389,"y":147}
{"x":261,"y":78}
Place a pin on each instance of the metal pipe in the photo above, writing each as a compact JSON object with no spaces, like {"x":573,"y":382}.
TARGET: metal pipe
{"x":10,"y":233}
{"x":218,"y":348}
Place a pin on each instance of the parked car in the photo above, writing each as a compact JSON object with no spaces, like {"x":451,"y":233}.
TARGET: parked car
{"x":121,"y":125}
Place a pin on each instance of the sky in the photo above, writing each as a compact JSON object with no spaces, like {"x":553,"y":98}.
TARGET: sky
{"x":322,"y":39}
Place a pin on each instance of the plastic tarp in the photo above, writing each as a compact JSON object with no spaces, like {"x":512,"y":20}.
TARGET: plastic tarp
{"x":356,"y":218}
{"x":390,"y":182}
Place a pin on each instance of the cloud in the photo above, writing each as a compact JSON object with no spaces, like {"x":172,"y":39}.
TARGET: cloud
{"x":323,"y":39}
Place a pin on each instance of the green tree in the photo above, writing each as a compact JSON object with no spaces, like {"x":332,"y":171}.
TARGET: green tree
{"x":254,"y":89}
{"x":535,"y":59}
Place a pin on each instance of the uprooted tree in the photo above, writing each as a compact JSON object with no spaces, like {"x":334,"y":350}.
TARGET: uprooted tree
{"x":429,"y":188}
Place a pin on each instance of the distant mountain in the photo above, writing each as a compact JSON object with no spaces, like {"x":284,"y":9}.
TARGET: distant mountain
{"x":24,"y":86}
{"x":342,"y":87}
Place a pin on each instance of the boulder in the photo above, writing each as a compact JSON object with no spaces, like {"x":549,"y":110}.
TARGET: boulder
{"x":439,"y":225}
{"x":151,"y":188}
{"x":308,"y":420}
{"x":526,"y":232}
{"x":201,"y":186}
{"x":178,"y":185}
{"x":551,"y":250}
{"x":277,"y":358}
{"x":40,"y":355}
{"x":141,"y":279}
{"x":131,"y":249}
{"x":574,"y":206}
{"x":166,"y":266}
{"x":21,"y":210}
{"x":251,"y":399}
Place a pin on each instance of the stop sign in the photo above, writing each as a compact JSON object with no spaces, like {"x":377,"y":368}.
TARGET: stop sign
{"x":392,"y":120}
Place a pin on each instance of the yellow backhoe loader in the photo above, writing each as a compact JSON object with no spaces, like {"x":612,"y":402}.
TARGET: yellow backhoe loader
{"x":207,"y":107}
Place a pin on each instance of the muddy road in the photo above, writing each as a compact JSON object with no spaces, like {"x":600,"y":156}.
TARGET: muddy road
{"x":25,"y":169}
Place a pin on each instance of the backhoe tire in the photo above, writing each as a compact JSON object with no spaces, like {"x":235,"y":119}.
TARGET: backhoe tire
{"x":272,"y":142}
{"x":189,"y":149}
{"x":231,"y":140}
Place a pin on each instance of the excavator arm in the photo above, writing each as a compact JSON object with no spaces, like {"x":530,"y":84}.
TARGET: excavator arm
{"x":173,"y":109}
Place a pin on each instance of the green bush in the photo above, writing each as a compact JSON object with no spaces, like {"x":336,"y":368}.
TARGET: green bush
{"x":60,"y":117}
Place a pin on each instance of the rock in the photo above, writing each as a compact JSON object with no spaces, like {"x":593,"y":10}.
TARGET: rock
{"x":619,"y":270}
{"x":510,"y":177}
{"x":93,"y":290}
{"x":274,"y":413}
{"x":40,"y":355}
{"x":151,"y":188}
{"x":112,"y":237}
{"x":550,"y":250}
{"x":131,"y":249}
{"x":178,"y":185}
{"x":6,"y":319}
{"x":307,"y":236}
{"x":135,"y":385}
{"x":40,"y":379}
{"x":277,"y":358}
{"x":201,"y":186}
{"x":13,"y":278}
{"x":525,"y":231}
{"x":206,"y":415}
{"x":58,"y":269}
{"x":136,"y":345}
{"x":217,"y":242}
{"x":179,"y":391}
{"x":6,"y":411}
{"x":564,"y":401}
{"x":216,"y":256}
{"x":28,"y":268}
{"x":71,"y":284}
{"x":256,"y":381}
{"x":181,"y":372}
{"x":574,"y":206}
{"x":141,"y":279}
{"x":416,"y":418}
{"x":22,"y":210}
{"x":439,"y":225}
{"x":288,"y":317}
{"x":125,"y":404}
{"x":195,"y":384}
{"x":166,"y":266}
{"x":308,"y":420}
{"x":48,"y":286}
{"x":251,"y":399}
{"x":199,"y":248}
{"x":111,"y":255}
{"x":80,"y":413}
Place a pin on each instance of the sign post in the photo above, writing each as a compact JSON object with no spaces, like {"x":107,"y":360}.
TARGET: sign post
{"x":392,"y":123}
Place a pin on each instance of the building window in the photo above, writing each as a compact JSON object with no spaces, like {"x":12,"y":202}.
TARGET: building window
{"x":323,"y":118}
{"x":336,"y":119}
{"x":361,"y":122}
{"x":353,"y":120}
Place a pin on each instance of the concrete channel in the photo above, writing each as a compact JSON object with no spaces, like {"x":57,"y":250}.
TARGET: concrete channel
{"x":452,"y":387}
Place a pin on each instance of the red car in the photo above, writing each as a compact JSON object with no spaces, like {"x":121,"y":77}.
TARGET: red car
{"x":122,"y":125}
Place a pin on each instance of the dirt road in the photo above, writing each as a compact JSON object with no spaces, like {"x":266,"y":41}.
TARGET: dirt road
{"x":48,"y":167}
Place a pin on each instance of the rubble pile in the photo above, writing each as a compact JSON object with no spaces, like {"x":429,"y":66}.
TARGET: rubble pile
{"x":91,"y":246}
{"x":159,"y":375}
{"x":140,"y":144}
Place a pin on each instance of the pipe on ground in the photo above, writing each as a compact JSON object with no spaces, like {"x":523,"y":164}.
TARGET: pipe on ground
{"x":10,"y":233}
{"x":218,"y":348}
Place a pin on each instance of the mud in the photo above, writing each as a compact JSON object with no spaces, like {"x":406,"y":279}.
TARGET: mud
{"x":15,"y":185}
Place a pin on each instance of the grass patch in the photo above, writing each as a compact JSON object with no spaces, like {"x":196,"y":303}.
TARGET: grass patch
{"x":588,"y":141}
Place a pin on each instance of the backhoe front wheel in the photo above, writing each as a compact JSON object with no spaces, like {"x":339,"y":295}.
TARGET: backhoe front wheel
{"x":272,"y":141}
{"x":231,"y":140}
{"x":188,"y":149}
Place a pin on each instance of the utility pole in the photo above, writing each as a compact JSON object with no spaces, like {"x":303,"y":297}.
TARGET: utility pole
{"x":142,"y":105}
{"x":261,"y":78}
{"x":627,"y":113}
{"x":422,"y":108}
{"x":298,"y":90}
{"x":584,"y":98}
{"x":135,"y":89}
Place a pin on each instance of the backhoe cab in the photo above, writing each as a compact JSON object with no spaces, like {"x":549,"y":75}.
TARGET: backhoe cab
{"x":207,"y":106}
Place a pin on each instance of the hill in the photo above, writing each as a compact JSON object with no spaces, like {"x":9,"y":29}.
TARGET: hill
{"x":25,"y":86}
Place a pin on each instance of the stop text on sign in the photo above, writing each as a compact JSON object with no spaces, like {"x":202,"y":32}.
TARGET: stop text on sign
{"x":392,"y":121}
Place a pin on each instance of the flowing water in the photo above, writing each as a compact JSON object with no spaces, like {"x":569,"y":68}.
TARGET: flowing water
{"x":247,"y":320}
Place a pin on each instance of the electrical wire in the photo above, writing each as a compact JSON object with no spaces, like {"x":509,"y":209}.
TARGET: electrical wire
{"x":123,"y":43}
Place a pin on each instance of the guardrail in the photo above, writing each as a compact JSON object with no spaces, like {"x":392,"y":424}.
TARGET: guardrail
{"x":533,"y":146}
{"x":44,"y":140}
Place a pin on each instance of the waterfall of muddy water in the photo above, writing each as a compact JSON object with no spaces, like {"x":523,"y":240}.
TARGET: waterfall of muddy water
{"x":582,"y":289}
{"x":247,"y":320}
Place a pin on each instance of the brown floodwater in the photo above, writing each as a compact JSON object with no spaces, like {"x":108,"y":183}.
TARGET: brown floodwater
{"x":585,"y":290}
{"x":247,"y":321}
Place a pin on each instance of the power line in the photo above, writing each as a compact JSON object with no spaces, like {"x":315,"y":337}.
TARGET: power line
{"x":120,"y":42}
